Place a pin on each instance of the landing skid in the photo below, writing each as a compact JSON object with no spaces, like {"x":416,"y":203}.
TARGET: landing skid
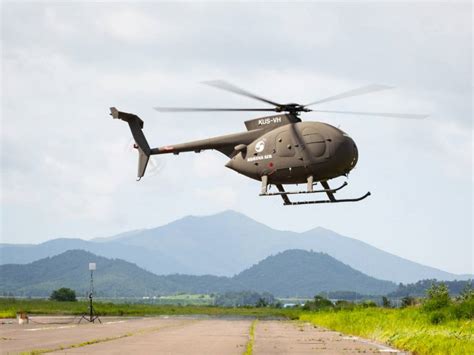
{"x":327,"y":190}
{"x":283,"y":192}
{"x":289,"y":203}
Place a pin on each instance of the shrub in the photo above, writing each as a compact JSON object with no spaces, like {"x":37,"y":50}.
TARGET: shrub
{"x":463,"y":309}
{"x":317,"y":304}
{"x":343,"y":304}
{"x":261,"y":303}
{"x":386,"y":302}
{"x":467,"y":293}
{"x":438,"y":297}
{"x":63,"y":294}
{"x":320,"y":301}
{"x":368,"y":304}
{"x":278,"y":304}
{"x":437,"y":317}
{"x":408,"y":301}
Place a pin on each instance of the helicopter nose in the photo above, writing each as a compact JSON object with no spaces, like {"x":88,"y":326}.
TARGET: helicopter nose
{"x":347,"y":153}
{"x":354,"y":152}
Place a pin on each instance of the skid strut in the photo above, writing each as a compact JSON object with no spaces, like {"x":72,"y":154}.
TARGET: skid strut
{"x":327,"y":190}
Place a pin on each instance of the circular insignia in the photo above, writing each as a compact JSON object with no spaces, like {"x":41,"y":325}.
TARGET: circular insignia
{"x":260,"y":146}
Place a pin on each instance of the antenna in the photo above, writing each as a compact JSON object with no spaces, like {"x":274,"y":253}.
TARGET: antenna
{"x":91,"y":316}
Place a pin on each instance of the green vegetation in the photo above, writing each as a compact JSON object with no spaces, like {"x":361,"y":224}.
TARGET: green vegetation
{"x":245,"y":298}
{"x":420,"y":288}
{"x":289,"y":274}
{"x":408,"y":301}
{"x":63,"y":294}
{"x":440,"y":325}
{"x":409,"y":329}
{"x":386,"y":302}
{"x":249,"y":347}
{"x":9,"y":308}
{"x":319,"y":303}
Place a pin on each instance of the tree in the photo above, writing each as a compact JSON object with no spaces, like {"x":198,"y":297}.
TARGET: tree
{"x":343,"y":304}
{"x":278,"y":304}
{"x":368,"y":304}
{"x":386,"y":302}
{"x":467,"y":293}
{"x":261,"y":303}
{"x":63,"y":294}
{"x":321,"y":302}
{"x":318,"y":303}
{"x":437,"y":297}
{"x":408,"y":301}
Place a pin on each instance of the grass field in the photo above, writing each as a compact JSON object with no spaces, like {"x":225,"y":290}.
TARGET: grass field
{"x":411,"y":328}
{"x":408,"y":329}
{"x":10,"y":307}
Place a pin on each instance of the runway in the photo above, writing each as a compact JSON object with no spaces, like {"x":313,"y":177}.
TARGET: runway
{"x":178,"y":335}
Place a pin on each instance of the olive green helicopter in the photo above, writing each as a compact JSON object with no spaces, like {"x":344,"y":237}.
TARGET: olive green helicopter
{"x":276,"y":150}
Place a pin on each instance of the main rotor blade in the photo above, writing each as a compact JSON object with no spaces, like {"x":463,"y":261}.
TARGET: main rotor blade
{"x":224,"y":85}
{"x":356,"y":92}
{"x":382,"y":114}
{"x":208,"y":109}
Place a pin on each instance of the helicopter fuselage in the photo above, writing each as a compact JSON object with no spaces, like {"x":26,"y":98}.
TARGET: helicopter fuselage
{"x":289,"y":154}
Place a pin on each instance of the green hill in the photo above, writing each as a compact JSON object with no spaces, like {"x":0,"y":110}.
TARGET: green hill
{"x":114,"y":277}
{"x":291,"y":273}
{"x":306,"y":273}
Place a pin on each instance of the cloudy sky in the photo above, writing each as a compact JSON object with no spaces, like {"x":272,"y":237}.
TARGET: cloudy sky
{"x":67,"y":169}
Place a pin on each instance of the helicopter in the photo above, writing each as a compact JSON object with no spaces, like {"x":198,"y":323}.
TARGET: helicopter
{"x":276,"y":150}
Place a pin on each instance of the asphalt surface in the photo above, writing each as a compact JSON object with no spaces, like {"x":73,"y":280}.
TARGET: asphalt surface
{"x":177,"y":335}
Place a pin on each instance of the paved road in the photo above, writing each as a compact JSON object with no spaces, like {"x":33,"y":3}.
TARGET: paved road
{"x":178,"y":335}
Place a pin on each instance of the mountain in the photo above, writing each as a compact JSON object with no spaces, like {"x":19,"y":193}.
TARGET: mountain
{"x":148,"y":259}
{"x":291,"y":273}
{"x":70,"y":269}
{"x":226,"y":243}
{"x":304,"y":273}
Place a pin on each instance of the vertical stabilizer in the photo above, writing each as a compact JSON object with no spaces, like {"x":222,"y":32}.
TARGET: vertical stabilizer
{"x":136,"y":126}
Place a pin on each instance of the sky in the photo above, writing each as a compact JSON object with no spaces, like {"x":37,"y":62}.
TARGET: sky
{"x":67,"y":169}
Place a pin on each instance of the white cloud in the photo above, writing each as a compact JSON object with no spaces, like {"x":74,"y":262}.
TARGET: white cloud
{"x":130,"y":25}
{"x":57,"y":23}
